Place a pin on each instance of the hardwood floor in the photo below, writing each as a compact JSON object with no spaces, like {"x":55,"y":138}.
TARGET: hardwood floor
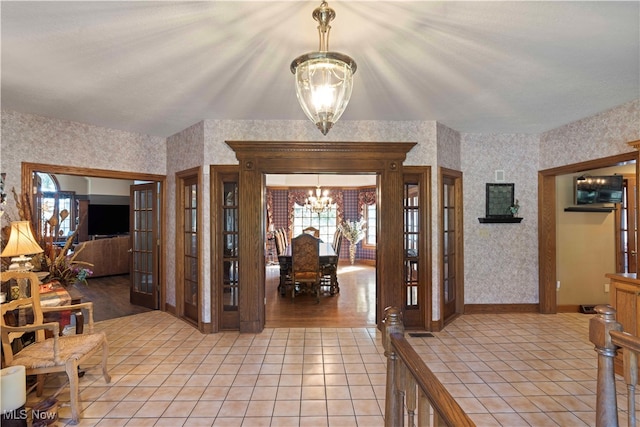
{"x":353,"y":307}
{"x":110,"y":296}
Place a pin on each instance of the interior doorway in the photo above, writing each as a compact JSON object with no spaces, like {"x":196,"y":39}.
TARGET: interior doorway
{"x":547,"y":223}
{"x":355,"y":304}
{"x":28,"y":176}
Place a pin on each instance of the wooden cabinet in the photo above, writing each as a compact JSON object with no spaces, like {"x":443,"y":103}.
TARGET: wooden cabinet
{"x":624,"y":296}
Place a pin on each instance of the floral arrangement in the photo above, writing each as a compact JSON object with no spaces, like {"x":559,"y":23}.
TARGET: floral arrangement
{"x":353,"y":231}
{"x":63,"y":266}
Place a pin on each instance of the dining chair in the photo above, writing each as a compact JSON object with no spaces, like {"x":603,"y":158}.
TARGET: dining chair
{"x":305,"y":264}
{"x":313,"y":231}
{"x":329,"y":270}
{"x":337,"y":241}
{"x":48,"y":355}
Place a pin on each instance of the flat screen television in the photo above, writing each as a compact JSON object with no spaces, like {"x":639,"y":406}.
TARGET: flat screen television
{"x":108,"y":220}
{"x":598,"y":189}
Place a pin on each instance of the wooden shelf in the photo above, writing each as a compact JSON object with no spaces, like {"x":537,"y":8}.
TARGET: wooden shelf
{"x":506,"y":220}
{"x":589,"y":209}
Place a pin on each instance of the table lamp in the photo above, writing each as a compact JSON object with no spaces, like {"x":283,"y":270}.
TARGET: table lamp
{"x":21,"y":243}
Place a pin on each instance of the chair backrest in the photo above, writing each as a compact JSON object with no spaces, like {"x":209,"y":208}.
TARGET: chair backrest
{"x":305,"y":254}
{"x":313,"y":231}
{"x":281,"y":240}
{"x":337,"y":241}
{"x":25,"y":310}
{"x":285,"y":237}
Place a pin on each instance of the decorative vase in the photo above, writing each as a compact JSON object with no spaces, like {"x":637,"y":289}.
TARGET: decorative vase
{"x":352,"y":252}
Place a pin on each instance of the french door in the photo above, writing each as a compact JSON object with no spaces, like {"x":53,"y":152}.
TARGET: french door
{"x":188,"y":246}
{"x":627,"y":230}
{"x":225,"y":242}
{"x":451,"y":259}
{"x":144,"y":244}
{"x":416,"y":296}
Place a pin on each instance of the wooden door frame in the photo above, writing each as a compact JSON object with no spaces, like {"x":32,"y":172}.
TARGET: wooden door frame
{"x":258,"y":158}
{"x":547,"y":222}
{"x":26,"y":182}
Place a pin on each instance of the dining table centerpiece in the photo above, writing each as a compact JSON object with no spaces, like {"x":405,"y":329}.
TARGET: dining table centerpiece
{"x":354,"y":232}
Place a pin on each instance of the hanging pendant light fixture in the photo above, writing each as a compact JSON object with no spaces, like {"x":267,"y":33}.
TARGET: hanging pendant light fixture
{"x":324,"y":79}
{"x":320,"y":202}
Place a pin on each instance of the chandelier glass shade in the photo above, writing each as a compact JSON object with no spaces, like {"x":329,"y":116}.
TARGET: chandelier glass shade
{"x":319,"y":202}
{"x":324,"y":80}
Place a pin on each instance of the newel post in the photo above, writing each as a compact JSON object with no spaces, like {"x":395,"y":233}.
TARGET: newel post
{"x":599,"y":327}
{"x":391,"y":324}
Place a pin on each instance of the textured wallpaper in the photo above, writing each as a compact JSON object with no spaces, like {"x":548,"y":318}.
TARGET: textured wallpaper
{"x":501,"y":260}
{"x":36,"y":139}
{"x":602,"y":135}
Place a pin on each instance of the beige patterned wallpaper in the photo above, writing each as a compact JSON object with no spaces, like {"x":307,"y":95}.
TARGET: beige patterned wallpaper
{"x":500,"y":260}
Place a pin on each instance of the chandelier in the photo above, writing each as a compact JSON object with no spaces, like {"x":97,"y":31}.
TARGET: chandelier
{"x":320,"y":202}
{"x":324,"y":79}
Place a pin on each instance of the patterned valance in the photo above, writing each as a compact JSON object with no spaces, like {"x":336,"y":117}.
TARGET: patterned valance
{"x":366,"y":197}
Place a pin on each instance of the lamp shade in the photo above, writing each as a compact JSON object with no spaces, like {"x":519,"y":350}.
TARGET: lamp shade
{"x":21,"y":241}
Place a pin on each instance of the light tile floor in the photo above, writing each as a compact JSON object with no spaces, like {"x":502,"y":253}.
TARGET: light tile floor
{"x":504,"y":370}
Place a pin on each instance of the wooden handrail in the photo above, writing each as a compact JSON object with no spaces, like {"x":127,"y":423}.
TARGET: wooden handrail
{"x":408,"y":376}
{"x":607,"y":335}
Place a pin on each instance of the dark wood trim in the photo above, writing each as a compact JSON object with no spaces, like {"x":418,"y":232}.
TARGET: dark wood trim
{"x":547,"y":221}
{"x":547,"y":243}
{"x":171,"y":309}
{"x":500,"y":308}
{"x":570,"y":308}
{"x":437,"y":325}
{"x":257,"y":158}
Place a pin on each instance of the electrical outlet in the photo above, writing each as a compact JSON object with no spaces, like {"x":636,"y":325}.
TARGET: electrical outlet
{"x":606,"y":288}
{"x":558,"y":285}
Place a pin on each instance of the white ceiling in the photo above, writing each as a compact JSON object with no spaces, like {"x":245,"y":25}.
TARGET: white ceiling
{"x":157,"y":67}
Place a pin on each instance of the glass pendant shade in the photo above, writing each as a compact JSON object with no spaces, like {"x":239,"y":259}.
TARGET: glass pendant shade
{"x":324,"y":80}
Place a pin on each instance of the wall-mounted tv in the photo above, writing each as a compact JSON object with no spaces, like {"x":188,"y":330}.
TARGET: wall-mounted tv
{"x":598,"y":189}
{"x":108,"y":220}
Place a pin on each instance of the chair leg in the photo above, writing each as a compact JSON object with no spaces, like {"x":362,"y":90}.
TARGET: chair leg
{"x":72,"y":373}
{"x":40,"y":384}
{"x":105,"y":356}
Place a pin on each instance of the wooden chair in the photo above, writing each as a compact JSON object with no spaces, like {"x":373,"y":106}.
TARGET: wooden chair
{"x":49,"y":355}
{"x":329,"y":271}
{"x":337,"y":241}
{"x":313,"y":231}
{"x":305,"y":264}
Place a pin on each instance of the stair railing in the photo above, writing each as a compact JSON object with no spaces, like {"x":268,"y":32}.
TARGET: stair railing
{"x":607,"y":335}
{"x":412,"y":385}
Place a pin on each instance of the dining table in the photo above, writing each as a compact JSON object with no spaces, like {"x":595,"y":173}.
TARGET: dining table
{"x":328,"y":266}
